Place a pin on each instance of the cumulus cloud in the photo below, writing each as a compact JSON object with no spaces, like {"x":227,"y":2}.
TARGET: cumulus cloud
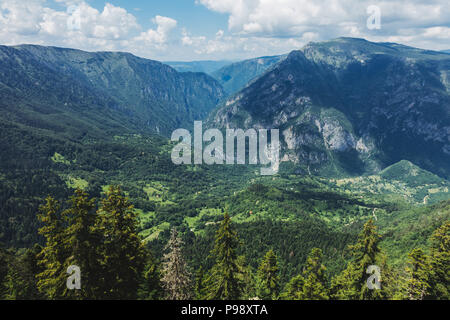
{"x":112,"y":23}
{"x":188,"y":40}
{"x":255,"y":27}
{"x":20,"y":17}
{"x":159,"y":36}
{"x":31,"y":18}
{"x":412,"y":21}
{"x":80,"y":25}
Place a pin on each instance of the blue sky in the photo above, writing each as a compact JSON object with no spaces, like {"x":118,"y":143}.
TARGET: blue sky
{"x":220,"y":29}
{"x":196,"y":17}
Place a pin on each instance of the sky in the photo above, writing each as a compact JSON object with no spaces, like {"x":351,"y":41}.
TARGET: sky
{"x":188,"y":30}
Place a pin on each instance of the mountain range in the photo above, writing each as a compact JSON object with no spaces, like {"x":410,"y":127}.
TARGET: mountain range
{"x":344,"y":107}
{"x":364,"y":130}
{"x":351,"y":107}
{"x":234,"y":77}
{"x":206,"y":66}
{"x":58,"y":85}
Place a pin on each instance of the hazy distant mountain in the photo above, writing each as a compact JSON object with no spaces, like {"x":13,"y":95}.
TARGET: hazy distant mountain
{"x":233,"y":76}
{"x":198,"y":66}
{"x":349,"y":106}
{"x":236,"y":76}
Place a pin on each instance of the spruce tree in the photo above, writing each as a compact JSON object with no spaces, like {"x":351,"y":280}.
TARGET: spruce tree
{"x":248,"y":279}
{"x":440,"y":263}
{"x":294,"y":289}
{"x":268,"y":277}
{"x":351,"y":284}
{"x":419,"y":273}
{"x":176,"y":278}
{"x":151,"y":287}
{"x":52,"y":259}
{"x":85,"y":241}
{"x":314,"y":274}
{"x":200,"y":284}
{"x":123,"y":253}
{"x":21,"y":279}
{"x":224,"y":282}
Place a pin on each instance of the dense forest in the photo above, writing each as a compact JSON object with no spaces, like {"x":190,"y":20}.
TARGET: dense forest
{"x":100,"y":237}
{"x":281,"y":224}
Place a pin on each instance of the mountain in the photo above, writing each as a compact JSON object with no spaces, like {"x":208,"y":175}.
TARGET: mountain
{"x":446,"y":51}
{"x":237,"y":75}
{"x":351,"y":107}
{"x":150,"y":95}
{"x":206,"y":66}
{"x":69,"y":119}
{"x":232,"y":76}
{"x":409,"y":173}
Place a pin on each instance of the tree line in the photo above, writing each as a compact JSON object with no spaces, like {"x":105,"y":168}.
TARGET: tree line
{"x":101,"y":238}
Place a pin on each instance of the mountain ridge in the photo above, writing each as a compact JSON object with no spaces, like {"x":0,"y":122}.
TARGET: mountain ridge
{"x":206,"y":66}
{"x":237,"y":75}
{"x":152,"y":94}
{"x":349,"y":104}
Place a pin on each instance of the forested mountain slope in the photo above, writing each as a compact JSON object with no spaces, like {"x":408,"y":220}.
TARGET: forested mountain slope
{"x":144,"y":93}
{"x":349,"y":107}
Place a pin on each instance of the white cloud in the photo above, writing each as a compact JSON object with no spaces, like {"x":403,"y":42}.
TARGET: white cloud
{"x":332,"y":18}
{"x":27,"y":18}
{"x":20,"y":17}
{"x":153,"y":39}
{"x":219,"y":34}
{"x":80,"y":26}
{"x":255,"y":27}
{"x":159,"y":36}
{"x":112,"y":23}
{"x":188,"y":40}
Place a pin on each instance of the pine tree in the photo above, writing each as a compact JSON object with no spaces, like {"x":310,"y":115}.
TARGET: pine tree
{"x":294,"y":289}
{"x":343,"y":286}
{"x":151,"y":287}
{"x":314,"y":274}
{"x":85,"y":241}
{"x":52,"y":259}
{"x":419,"y":275}
{"x":176,"y":278}
{"x":21,"y":279}
{"x":200,"y":284}
{"x":268,"y":276}
{"x":123,"y":252}
{"x":352,"y":282}
{"x":223,"y":281}
{"x":248,"y":279}
{"x":440,"y":263}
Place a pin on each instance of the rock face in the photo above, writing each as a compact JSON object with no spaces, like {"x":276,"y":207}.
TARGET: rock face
{"x":349,"y":106}
{"x":147,"y":93}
